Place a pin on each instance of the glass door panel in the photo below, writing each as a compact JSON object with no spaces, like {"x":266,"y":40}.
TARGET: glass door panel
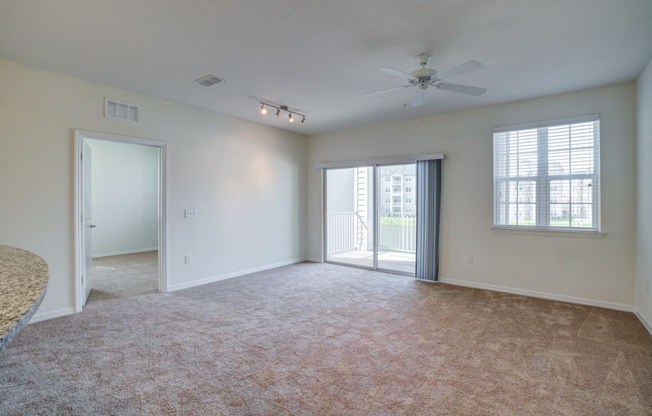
{"x":397,"y":218}
{"x":349,"y":216}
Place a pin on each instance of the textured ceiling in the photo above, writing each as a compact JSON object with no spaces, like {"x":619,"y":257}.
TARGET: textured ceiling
{"x":321,"y":57}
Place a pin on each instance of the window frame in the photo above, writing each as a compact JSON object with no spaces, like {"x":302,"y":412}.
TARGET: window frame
{"x":543,"y":178}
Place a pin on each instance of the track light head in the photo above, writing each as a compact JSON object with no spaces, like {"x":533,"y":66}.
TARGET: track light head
{"x":290,"y":118}
{"x":263,"y":109}
{"x":303,"y":119}
{"x":278,"y":111}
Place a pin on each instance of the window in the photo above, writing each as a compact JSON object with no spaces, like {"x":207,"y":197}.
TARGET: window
{"x":547,"y":175}
{"x":396,"y":188}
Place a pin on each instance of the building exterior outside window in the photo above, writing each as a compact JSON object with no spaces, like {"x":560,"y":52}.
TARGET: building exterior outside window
{"x":399,"y":199}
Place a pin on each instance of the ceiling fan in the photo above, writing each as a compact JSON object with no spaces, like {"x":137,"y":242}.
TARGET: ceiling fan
{"x":423,"y":78}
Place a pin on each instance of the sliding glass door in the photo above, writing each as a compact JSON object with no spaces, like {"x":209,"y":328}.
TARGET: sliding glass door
{"x":370,"y":218}
{"x":350,"y":216}
{"x":397,"y":217}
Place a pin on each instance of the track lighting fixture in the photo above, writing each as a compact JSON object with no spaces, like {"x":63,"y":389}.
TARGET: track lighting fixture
{"x":279,"y":108}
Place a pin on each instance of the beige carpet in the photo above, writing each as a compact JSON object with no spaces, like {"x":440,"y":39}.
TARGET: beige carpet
{"x":124,"y":275}
{"x":318,"y":339}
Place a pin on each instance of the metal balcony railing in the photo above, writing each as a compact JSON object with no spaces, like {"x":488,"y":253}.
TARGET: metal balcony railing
{"x":343,"y":230}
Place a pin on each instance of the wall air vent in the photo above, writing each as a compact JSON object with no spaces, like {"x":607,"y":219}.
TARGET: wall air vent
{"x":123,"y":111}
{"x":209,"y":80}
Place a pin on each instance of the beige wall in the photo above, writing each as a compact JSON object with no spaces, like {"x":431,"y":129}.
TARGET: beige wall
{"x":246,"y":180}
{"x":644,"y":196}
{"x":600,"y":270}
{"x":257,"y":206}
{"x":124,"y":197}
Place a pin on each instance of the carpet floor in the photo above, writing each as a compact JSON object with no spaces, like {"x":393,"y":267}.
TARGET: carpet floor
{"x":320,"y":339}
{"x":124,"y":275}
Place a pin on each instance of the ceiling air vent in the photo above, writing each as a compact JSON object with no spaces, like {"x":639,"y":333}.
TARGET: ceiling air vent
{"x":123,"y":111}
{"x":209,"y":80}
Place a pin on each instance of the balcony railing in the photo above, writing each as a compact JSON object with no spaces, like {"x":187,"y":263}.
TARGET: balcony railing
{"x":398,"y":234}
{"x":340,"y":232}
{"x":344,"y":229}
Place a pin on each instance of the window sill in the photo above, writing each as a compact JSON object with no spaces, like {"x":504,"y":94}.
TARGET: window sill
{"x":548,"y":233}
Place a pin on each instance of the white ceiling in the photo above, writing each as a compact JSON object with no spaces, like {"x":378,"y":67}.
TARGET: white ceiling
{"x":319,"y":57}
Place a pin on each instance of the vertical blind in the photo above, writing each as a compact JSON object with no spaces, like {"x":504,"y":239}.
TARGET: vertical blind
{"x":428,"y":218}
{"x":547,"y":175}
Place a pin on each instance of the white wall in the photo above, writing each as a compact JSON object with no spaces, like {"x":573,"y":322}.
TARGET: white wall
{"x":644,"y":197}
{"x":124,"y":197}
{"x":247,"y":180}
{"x":600,"y":270}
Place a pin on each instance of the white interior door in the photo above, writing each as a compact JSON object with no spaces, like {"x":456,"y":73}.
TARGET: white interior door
{"x":87,"y":281}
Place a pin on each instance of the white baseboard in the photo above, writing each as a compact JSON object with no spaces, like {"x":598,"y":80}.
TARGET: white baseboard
{"x":542,"y":295}
{"x":44,"y":316}
{"x":231,"y":275}
{"x":644,"y":321}
{"x":120,"y":253}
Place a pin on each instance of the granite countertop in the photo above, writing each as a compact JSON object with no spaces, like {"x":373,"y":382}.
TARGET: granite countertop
{"x":23,"y":281}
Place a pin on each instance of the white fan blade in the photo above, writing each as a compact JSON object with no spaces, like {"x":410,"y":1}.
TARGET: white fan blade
{"x":463,"y":89}
{"x":396,"y":72}
{"x":418,"y":99}
{"x":387,"y":90}
{"x":465,"y":68}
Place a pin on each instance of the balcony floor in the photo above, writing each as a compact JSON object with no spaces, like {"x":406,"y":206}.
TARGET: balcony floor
{"x":387,"y":260}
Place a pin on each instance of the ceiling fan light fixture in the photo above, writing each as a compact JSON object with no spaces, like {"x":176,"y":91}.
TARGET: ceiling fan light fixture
{"x":424,"y":77}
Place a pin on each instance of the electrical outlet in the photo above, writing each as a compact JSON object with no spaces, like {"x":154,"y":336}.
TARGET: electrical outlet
{"x":188,"y":259}
{"x":469,"y":260}
{"x":190,"y":213}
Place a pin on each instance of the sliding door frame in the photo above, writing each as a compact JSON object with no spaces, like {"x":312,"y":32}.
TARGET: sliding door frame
{"x":374,"y":205}
{"x":374,"y":164}
{"x":377,"y":223}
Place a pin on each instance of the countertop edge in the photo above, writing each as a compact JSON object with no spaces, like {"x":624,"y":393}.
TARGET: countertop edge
{"x":15,"y":330}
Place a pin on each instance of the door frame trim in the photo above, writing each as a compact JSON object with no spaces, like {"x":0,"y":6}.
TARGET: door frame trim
{"x":79,"y":136}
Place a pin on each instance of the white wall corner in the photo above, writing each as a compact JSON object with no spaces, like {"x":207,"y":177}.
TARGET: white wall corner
{"x":644,"y":321}
{"x":45,"y":316}
{"x":314,"y":259}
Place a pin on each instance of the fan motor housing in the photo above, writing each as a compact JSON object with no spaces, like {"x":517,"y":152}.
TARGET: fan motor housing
{"x":424,"y":74}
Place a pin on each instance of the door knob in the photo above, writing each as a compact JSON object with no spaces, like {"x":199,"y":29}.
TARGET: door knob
{"x":93,"y":225}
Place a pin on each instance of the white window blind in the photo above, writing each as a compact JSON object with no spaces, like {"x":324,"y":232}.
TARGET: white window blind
{"x":547,"y":175}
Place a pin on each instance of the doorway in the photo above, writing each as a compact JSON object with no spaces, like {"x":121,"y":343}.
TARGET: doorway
{"x":370,"y":218}
{"x":120,"y":216}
